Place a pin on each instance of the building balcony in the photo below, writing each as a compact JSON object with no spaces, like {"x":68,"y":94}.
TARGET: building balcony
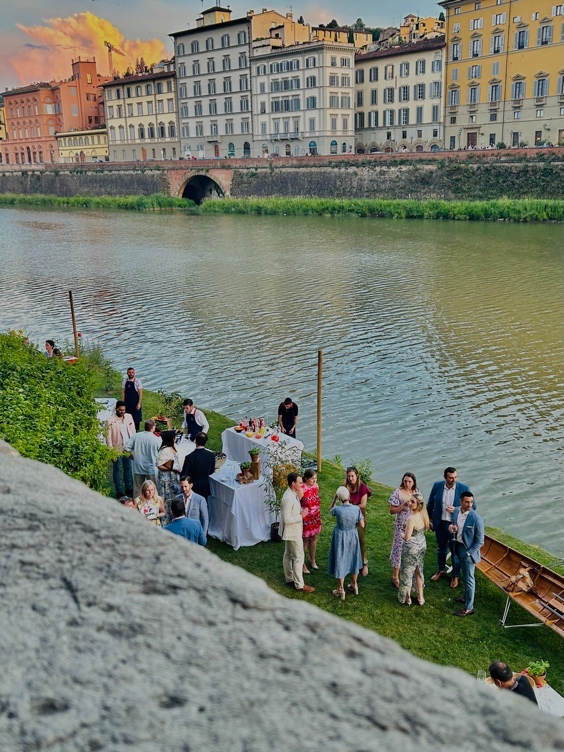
{"x":473,"y":107}
{"x":517,"y":103}
{"x":494,"y":105}
{"x":453,"y":108}
{"x":285,"y":136}
{"x":540,"y":101}
{"x":213,"y":139}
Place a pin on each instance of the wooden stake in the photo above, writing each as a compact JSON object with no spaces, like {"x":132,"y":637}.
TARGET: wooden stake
{"x":319,"y":402}
{"x":76,"y":346}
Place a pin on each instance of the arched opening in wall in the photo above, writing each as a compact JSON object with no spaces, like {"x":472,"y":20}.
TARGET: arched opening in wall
{"x":200,"y":187}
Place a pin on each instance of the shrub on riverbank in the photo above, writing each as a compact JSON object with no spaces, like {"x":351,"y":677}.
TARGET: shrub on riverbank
{"x":47,"y":411}
{"x":154,"y":202}
{"x":504,"y":209}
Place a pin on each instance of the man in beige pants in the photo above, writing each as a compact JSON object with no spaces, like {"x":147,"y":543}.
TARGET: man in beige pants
{"x":291,"y":527}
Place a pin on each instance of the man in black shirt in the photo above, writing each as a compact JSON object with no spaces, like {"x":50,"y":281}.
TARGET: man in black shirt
{"x":288,"y":417}
{"x":503,"y":677}
{"x":199,"y":465}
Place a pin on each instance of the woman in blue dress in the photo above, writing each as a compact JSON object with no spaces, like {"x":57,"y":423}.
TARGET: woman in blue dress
{"x":344,"y":555}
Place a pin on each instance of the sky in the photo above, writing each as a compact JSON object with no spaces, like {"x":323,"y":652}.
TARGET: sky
{"x":38,"y":38}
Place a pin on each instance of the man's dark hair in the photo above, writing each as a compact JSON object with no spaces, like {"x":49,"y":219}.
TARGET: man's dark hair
{"x":201,"y":439}
{"x":50,"y":342}
{"x":188,"y":478}
{"x":120,"y":403}
{"x":188,"y":403}
{"x":288,"y":401}
{"x":466,"y":495}
{"x":500,"y":671}
{"x":149,"y":424}
{"x":178,"y":508}
{"x":449,"y":471}
{"x":292,"y":478}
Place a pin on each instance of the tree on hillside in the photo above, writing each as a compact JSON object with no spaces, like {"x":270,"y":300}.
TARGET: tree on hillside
{"x":359,"y":24}
{"x":333,"y":24}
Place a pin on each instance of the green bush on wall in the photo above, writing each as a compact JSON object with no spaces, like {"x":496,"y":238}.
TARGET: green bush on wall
{"x":48,"y":413}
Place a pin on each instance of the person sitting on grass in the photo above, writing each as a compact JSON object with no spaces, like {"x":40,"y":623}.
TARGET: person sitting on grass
{"x":188,"y":528}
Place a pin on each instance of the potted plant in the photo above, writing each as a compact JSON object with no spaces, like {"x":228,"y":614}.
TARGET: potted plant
{"x":537,"y":671}
{"x":255,"y":462}
{"x":245,"y":476}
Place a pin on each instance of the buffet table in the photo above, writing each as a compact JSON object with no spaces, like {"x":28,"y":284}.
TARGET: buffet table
{"x":236,"y":446}
{"x":238,"y":514}
{"x":184,"y":448}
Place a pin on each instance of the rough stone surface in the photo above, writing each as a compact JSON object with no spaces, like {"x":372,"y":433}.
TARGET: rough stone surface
{"x":115,"y":635}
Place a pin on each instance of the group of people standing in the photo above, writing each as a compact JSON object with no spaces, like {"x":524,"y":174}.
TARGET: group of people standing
{"x":449,"y":512}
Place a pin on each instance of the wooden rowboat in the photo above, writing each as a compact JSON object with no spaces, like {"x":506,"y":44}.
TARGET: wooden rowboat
{"x":539,"y":590}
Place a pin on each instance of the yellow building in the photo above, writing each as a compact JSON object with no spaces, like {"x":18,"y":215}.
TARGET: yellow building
{"x":2,"y":124}
{"x":505,"y":73}
{"x":83,"y":146}
{"x":414,"y":28}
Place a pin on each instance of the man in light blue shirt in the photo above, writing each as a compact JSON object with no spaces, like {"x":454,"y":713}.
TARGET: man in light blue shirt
{"x":188,"y":528}
{"x":144,"y":447}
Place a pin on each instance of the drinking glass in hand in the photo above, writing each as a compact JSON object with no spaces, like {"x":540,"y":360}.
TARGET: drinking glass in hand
{"x":481,"y":676}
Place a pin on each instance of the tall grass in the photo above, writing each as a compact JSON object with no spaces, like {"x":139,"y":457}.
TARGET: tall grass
{"x":512,"y":210}
{"x":155,"y":202}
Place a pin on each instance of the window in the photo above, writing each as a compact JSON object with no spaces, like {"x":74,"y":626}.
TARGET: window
{"x":435,"y":113}
{"x":388,"y":72}
{"x":388,"y":95}
{"x":436,"y":66}
{"x":137,"y":91}
{"x":211,"y":86}
{"x":419,"y":67}
{"x":517,"y":115}
{"x":242,"y":37}
{"x":333,"y":100}
{"x":498,"y":19}
{"x":474,"y":71}
{"x":456,"y":28}
{"x":360,"y":98}
{"x":110,"y":111}
{"x":476,"y":48}
{"x":346,"y":80}
{"x":419,"y":91}
{"x":198,"y":109}
{"x":404,"y":117}
{"x":195,"y":47}
{"x":213,"y":107}
{"x":403,"y":94}
{"x":243,"y":83}
{"x":311,"y":104}
{"x":226,"y":85}
{"x":544,"y":35}
{"x":453,"y":120}
{"x":199,"y":129}
{"x":454,"y":72}
{"x":169,"y":86}
{"x":151,"y":131}
{"x":404,"y":70}
{"x":455,"y":51}
{"x":184,"y":110}
{"x":209,"y":43}
{"x":457,"y":11}
{"x":345,"y":62}
{"x":213,"y":128}
{"x":159,"y":87}
{"x":149,"y":90}
{"x":245,"y":127}
{"x":195,"y":68}
{"x":244,"y":104}
{"x":435,"y":87}
{"x":228,"y":105}
{"x":373,"y":76}
{"x":226,"y":64}
{"x":476,"y":23}
{"x":197,"y":88}
{"x":388,"y":118}
{"x":454,"y":97}
{"x":374,"y":96}
{"x":518,"y":90}
{"x":261,"y":70}
{"x":182,"y":91}
{"x":310,"y":62}
{"x":477,"y":6}
{"x":359,"y":76}
{"x":160,"y":106}
{"x":211,"y":65}
{"x":311,"y":82}
{"x":521,"y":39}
{"x":262,"y":87}
{"x":496,"y":44}
{"x":474,"y":95}
{"x":225,"y":40}
{"x":333,"y":122}
{"x":558,"y":10}
{"x":495,"y":69}
{"x":139,"y":109}
{"x":419,"y":115}
{"x":263,"y":128}
{"x":373,"y":119}
{"x":333,"y":80}
{"x":494,"y":94}
{"x":540,"y":87}
{"x":171,"y":130}
{"x":243,"y":60}
{"x":333,"y":146}
{"x":345,"y":101}
{"x":180,"y":49}
{"x":493,"y":117}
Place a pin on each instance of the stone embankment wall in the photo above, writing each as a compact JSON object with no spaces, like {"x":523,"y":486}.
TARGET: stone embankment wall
{"x":460,"y":175}
{"x":116,"y":635}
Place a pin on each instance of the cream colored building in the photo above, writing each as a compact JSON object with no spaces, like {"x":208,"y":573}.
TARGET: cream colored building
{"x":399,"y":98}
{"x":303,"y":99}
{"x":2,"y":124}
{"x":414,"y":27}
{"x":83,"y":146}
{"x":141,"y":116}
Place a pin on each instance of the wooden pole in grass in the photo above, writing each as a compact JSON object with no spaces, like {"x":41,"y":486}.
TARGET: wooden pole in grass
{"x":319,"y":402}
{"x":74,"y":330}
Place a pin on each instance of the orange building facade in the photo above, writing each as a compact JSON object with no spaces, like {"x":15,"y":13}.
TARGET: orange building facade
{"x":36,"y":113}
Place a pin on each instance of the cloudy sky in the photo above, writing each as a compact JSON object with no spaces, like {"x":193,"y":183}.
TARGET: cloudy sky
{"x":38,"y":37}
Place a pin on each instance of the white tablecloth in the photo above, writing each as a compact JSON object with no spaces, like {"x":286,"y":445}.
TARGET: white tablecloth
{"x":236,"y":446}
{"x":238,"y":514}
{"x":184,"y":448}
{"x":550,"y":701}
{"x":106,"y":408}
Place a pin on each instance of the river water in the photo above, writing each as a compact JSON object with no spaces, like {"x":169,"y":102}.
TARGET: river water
{"x":442,"y":341}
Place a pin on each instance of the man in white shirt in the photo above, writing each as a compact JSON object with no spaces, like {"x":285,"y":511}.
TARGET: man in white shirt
{"x":195,"y":421}
{"x":468,"y":529}
{"x":291,"y":529}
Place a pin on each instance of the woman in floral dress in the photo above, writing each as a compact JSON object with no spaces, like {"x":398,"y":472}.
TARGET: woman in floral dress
{"x":399,"y":506}
{"x":312,"y":523}
{"x":413,"y":551}
{"x":150,"y":504}
{"x":168,"y":468}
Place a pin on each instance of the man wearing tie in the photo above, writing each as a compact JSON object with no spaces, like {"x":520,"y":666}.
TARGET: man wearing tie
{"x":443,"y":499}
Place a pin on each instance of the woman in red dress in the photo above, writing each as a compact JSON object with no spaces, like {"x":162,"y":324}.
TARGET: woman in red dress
{"x":312,"y":523}
{"x":359,"y":492}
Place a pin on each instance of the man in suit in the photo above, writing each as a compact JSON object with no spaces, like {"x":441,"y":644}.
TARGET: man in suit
{"x":443,"y":499}
{"x":189,"y":528}
{"x":199,"y":465}
{"x":468,"y":529}
{"x":195,"y":506}
{"x":291,"y":529}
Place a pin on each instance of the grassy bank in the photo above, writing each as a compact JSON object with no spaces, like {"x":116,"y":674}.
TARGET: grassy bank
{"x":155,"y":202}
{"x":431,"y":632}
{"x":510,"y":210}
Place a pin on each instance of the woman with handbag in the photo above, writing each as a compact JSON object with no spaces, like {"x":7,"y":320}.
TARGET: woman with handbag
{"x":168,"y":467}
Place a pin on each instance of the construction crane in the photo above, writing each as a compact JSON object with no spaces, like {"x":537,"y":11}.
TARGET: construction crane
{"x":111,"y":49}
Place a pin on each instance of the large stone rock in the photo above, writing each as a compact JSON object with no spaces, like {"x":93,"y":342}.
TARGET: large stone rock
{"x":116,"y":635}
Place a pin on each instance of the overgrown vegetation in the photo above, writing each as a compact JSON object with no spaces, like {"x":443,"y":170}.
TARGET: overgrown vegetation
{"x":47,"y":411}
{"x":512,"y":210}
{"x":154,"y":202}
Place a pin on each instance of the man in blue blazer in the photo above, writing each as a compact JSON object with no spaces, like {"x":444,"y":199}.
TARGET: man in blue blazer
{"x":443,"y":499}
{"x":468,"y":529}
{"x":190,"y":529}
{"x":196,"y":507}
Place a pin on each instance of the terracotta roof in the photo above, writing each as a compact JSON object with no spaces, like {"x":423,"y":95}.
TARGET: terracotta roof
{"x":139,"y":77}
{"x":29,"y":89}
{"x":404,"y":49}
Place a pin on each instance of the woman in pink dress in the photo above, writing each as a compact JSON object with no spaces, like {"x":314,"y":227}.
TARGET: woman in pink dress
{"x":312,"y":522}
{"x":359,"y":492}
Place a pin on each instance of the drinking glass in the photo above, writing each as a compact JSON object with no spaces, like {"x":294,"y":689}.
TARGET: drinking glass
{"x":481,"y":676}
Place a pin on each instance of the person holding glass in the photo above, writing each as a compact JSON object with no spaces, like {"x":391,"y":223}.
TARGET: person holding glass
{"x":413,"y":551}
{"x":399,"y":506}
{"x":312,"y":522}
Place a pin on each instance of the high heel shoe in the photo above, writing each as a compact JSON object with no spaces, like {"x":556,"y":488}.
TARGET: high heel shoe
{"x":352,"y":588}
{"x":313,"y":566}
{"x":305,"y":570}
{"x":421,"y":602}
{"x":338,"y":593}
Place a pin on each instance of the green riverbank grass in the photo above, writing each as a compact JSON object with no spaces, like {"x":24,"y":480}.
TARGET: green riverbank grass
{"x":155,"y":202}
{"x":431,"y":632}
{"x":511,"y":210}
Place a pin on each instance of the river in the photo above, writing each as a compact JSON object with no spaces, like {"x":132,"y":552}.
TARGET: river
{"x":442,"y":341}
